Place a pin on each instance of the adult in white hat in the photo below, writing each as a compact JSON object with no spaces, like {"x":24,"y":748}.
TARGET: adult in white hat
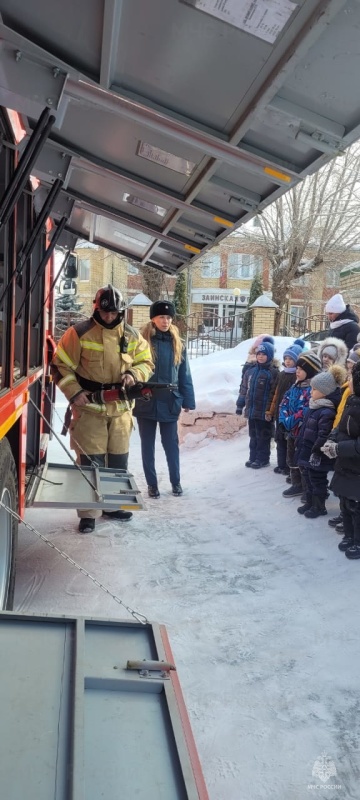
{"x":343,"y":321}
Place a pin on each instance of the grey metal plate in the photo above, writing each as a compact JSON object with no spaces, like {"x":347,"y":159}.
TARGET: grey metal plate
{"x":193,"y":86}
{"x":75,"y":723}
{"x":64,"y":486}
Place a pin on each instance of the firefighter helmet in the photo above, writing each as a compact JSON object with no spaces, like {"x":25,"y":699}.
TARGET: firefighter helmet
{"x":109,"y":299}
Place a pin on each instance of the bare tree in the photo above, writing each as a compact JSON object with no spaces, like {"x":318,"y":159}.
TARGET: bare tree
{"x":153,"y":281}
{"x":318,"y":218}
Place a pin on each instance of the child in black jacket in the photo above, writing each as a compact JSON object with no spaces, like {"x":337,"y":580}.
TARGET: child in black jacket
{"x":256,"y":393}
{"x":316,"y":428}
{"x":344,"y":445}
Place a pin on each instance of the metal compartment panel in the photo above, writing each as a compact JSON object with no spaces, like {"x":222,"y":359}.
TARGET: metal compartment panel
{"x":75,"y":723}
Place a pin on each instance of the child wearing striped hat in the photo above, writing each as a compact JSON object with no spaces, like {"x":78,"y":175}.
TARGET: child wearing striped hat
{"x":286,"y":378}
{"x":291,"y":413}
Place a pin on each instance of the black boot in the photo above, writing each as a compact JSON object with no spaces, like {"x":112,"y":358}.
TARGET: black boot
{"x":153,"y":491}
{"x":86,"y":525}
{"x":296,"y":487}
{"x":353,"y":551}
{"x":334,"y":521}
{"x":177,"y":490}
{"x":307,"y":504}
{"x":123,"y":516}
{"x":345,"y":543}
{"x":317,"y":509}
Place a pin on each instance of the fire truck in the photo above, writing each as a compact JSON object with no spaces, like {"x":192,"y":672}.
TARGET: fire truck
{"x":153,"y":128}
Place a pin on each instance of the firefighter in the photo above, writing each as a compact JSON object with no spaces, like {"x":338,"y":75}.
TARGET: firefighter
{"x":102,"y":349}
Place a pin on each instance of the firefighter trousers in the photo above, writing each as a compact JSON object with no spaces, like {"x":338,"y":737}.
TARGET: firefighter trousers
{"x":103,"y":440}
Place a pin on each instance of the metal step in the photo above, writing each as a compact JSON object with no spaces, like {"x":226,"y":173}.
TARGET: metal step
{"x":65,"y":486}
{"x":78,"y":721}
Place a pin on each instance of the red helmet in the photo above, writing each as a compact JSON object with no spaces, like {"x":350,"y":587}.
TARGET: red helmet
{"x":109,"y":299}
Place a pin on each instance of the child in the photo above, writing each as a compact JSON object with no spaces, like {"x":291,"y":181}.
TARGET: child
{"x":346,"y":391}
{"x":332,"y":351}
{"x":251,"y":356}
{"x":346,"y":481}
{"x":256,"y":393}
{"x":286,"y":378}
{"x":317,"y":425}
{"x":291,"y":413}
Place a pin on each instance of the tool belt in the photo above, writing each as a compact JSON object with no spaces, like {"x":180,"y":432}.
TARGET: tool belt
{"x":109,"y":392}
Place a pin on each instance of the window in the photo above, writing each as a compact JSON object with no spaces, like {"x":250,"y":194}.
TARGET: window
{"x":84,"y":269}
{"x":244,"y":266}
{"x":302,"y":280}
{"x":297,"y":313}
{"x":332,"y":277}
{"x":211,"y":267}
{"x":131,"y":269}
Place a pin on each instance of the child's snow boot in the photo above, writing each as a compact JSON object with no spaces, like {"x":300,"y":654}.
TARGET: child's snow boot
{"x":317,"y":509}
{"x":307,"y":504}
{"x":296,"y":487}
{"x":345,"y":543}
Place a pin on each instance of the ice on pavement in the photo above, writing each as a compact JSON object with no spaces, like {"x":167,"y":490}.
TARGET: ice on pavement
{"x":260,"y":606}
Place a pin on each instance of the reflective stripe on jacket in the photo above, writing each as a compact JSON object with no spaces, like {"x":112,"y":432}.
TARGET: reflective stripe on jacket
{"x":93,"y":352}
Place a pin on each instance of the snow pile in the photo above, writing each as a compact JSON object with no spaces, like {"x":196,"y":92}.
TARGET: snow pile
{"x":217,"y":376}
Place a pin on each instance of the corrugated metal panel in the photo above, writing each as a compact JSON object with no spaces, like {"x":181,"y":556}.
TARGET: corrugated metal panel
{"x":166,"y":79}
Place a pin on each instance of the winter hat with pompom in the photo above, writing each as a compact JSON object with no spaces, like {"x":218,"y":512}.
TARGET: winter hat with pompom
{"x":335,"y":305}
{"x":299,"y":343}
{"x":259,"y":340}
{"x":354,"y":356}
{"x":294,"y":350}
{"x":327,"y":382}
{"x":267,"y":348}
{"x":268,"y":338}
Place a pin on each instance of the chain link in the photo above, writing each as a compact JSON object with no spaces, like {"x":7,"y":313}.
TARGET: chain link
{"x":136,"y":614}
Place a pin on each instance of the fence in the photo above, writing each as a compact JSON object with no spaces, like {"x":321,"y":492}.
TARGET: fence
{"x":313,"y":327}
{"x":206,"y":332}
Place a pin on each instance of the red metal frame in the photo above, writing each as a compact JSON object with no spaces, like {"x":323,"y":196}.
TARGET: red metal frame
{"x":188,"y":734}
{"x":14,"y":400}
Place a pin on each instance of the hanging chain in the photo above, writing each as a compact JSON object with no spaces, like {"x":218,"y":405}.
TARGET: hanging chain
{"x":136,"y":614}
{"x":66,"y":450}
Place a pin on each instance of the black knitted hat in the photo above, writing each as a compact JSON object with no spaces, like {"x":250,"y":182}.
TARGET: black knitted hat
{"x":310,"y":363}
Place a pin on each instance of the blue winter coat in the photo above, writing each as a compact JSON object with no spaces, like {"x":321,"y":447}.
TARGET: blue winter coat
{"x":167,"y":406}
{"x":315,"y":430}
{"x":292,"y":407}
{"x":257,"y":390}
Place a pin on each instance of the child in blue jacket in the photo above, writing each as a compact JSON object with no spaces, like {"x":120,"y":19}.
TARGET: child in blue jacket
{"x":256,"y":393}
{"x":291,"y":414}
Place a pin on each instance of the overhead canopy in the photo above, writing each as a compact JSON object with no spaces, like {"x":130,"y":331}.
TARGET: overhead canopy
{"x":173,"y":126}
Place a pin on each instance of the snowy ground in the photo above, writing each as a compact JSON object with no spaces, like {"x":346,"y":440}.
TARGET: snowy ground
{"x":261,"y":610}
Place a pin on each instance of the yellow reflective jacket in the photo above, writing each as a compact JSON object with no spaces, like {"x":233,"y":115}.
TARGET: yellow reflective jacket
{"x":93,"y":352}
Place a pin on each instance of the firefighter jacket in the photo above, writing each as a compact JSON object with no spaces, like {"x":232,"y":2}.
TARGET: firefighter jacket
{"x":100,"y":354}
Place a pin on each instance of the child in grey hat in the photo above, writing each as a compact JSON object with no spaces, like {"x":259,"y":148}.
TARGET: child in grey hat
{"x":316,"y":428}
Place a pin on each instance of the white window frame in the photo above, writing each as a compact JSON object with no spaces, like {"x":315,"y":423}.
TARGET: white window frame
{"x":84,"y":265}
{"x":212,"y":267}
{"x":244,"y":267}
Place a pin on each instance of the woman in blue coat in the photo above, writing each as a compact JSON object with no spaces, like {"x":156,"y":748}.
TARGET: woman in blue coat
{"x":171,"y":366}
